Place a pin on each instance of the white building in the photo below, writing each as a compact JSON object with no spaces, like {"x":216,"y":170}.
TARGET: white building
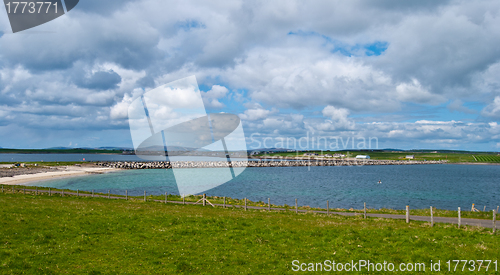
{"x":410,"y":156}
{"x":362,"y":157}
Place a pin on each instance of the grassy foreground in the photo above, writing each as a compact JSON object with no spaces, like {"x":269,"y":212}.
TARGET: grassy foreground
{"x":77,"y":235}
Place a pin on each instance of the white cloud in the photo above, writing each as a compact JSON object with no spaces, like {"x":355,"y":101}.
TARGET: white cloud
{"x":211,"y":98}
{"x":338,"y":119}
{"x":414,"y":92}
{"x":255,"y":114}
{"x":493,"y":109}
{"x":120,"y":110}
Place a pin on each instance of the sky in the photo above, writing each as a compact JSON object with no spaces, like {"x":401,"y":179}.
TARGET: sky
{"x":402,"y":74}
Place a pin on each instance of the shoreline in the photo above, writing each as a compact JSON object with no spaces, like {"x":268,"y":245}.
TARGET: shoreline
{"x":68,"y":172}
{"x":475,"y":163}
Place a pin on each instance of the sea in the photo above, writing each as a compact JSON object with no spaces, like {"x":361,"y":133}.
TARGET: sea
{"x":445,"y":186}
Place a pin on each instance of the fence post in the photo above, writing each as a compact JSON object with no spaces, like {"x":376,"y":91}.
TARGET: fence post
{"x":484,"y":209}
{"x":109,"y":196}
{"x":497,"y":206}
{"x":2,"y":188}
{"x":364,"y":210}
{"x":432,"y":218}
{"x":92,"y":193}
{"x":268,"y":204}
{"x":245,"y":204}
{"x":296,"y":207}
{"x":24,"y":190}
{"x":35,"y":192}
{"x":204,"y":199}
{"x":50,"y":193}
{"x":126,"y":195}
{"x":494,"y":221}
{"x":407,"y":214}
{"x":224,"y":202}
{"x":13,"y":190}
{"x":183,"y":200}
{"x":166,"y":196}
{"x":327,"y":208}
{"x":77,"y":193}
{"x":144,"y":195}
{"x":459,"y":218}
{"x":62,"y":193}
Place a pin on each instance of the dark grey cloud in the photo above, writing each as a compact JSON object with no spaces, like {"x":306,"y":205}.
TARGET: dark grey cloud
{"x":103,"y":80}
{"x":146,"y":82}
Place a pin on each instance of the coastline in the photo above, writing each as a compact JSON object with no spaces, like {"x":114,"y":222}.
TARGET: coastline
{"x":475,"y":163}
{"x":68,"y":172}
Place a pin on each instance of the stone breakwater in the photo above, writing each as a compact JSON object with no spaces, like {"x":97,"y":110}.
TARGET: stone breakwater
{"x":255,"y":163}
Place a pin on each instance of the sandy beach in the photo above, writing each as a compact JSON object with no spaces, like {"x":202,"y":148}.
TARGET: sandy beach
{"x":52,"y":173}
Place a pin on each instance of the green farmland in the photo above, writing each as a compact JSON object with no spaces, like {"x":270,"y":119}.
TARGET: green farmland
{"x":488,"y":158}
{"x":83,"y":235}
{"x":451,"y":157}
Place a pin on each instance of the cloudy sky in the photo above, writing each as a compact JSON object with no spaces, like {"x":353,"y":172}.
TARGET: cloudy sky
{"x":413,"y":74}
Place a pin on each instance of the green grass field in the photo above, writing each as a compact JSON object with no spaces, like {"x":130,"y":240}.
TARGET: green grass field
{"x":488,"y":158}
{"x":76,"y":235}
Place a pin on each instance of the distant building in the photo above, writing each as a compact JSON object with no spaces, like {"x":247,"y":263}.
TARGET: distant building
{"x":362,"y":157}
{"x":328,"y":156}
{"x":338,"y":155}
{"x":410,"y":156}
{"x":310,"y":154}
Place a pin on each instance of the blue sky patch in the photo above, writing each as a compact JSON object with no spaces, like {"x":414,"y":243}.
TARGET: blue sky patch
{"x":189,"y":24}
{"x":372,"y":49}
{"x":376,"y":48}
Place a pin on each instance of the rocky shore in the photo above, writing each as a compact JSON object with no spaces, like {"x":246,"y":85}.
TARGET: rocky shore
{"x":5,"y":172}
{"x":256,"y":163}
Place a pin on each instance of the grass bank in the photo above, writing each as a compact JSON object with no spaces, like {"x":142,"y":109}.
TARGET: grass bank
{"x":81,"y":235}
{"x":451,"y":157}
{"x":465,"y":213}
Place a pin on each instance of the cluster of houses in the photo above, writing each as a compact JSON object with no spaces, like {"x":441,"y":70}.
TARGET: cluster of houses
{"x":335,"y":155}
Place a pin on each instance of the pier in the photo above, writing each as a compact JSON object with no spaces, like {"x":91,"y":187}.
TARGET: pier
{"x":255,"y":163}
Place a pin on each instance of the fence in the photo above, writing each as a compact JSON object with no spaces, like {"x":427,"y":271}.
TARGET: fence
{"x":204,"y":200}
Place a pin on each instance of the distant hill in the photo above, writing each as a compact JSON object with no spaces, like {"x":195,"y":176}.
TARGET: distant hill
{"x":59,"y":151}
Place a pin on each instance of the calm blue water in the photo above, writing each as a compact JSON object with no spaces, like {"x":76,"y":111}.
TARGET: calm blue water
{"x":420,"y":186}
{"x":89,"y":157}
{"x":65,"y":157}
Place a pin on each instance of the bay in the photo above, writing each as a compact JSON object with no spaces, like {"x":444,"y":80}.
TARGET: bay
{"x":445,"y":186}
